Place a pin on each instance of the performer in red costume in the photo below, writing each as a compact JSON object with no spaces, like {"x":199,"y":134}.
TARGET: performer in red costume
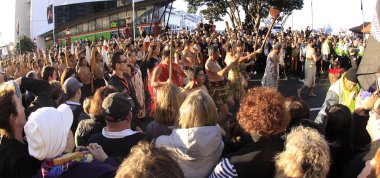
{"x":160,"y":76}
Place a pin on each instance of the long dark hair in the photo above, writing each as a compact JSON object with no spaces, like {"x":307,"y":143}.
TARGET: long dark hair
{"x":338,"y":128}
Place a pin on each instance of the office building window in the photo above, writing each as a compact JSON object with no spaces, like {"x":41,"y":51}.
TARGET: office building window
{"x":99,"y":24}
{"x":79,"y":29}
{"x":113,"y":17}
{"x":123,"y":15}
{"x":85,"y":27}
{"x":91,"y":25}
{"x":73,"y":31}
{"x":106,"y":22}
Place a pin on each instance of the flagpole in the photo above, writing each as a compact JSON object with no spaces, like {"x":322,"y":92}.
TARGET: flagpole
{"x":312,"y":16}
{"x":53,"y":25}
{"x":361,"y":1}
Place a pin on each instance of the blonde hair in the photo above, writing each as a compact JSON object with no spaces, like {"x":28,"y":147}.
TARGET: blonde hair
{"x":167,"y":104}
{"x":145,"y":160}
{"x":197,"y":110}
{"x":87,"y":105}
{"x":306,"y":154}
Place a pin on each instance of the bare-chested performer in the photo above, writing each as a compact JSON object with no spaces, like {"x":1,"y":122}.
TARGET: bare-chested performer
{"x":310,"y":68}
{"x":85,"y":76}
{"x":11,"y":69}
{"x":188,"y":58}
{"x":18,"y":72}
{"x":99,"y":72}
{"x":218,"y":84}
{"x":62,"y":66}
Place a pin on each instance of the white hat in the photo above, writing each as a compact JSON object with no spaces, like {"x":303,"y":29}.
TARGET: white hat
{"x":47,"y":130}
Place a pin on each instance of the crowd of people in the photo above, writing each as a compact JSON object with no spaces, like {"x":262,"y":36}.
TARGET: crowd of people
{"x":160,"y":106}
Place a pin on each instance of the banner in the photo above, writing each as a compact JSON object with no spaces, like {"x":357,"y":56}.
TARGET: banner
{"x":50,"y":16}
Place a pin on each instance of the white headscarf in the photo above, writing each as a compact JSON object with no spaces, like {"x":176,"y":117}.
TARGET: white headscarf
{"x":47,"y":130}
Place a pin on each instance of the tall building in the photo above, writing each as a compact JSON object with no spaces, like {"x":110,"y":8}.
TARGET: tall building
{"x":22,"y":14}
{"x":101,"y":18}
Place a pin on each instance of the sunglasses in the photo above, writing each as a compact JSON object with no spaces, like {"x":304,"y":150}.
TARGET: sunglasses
{"x":121,"y":62}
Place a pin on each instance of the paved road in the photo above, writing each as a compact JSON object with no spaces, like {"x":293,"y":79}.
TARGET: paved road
{"x":289,"y":88}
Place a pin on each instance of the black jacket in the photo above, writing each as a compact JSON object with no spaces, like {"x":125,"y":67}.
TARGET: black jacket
{"x":256,"y":158}
{"x":15,"y":160}
{"x":118,"y":148}
{"x":87,"y":128}
{"x":41,"y":89}
{"x":357,"y":163}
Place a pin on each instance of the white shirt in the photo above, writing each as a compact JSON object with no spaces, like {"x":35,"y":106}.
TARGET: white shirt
{"x":114,"y":135}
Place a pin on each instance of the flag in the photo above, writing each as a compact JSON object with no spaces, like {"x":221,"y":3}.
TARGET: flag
{"x":104,"y":52}
{"x":50,"y":15}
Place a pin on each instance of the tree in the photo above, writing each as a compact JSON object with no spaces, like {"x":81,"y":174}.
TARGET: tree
{"x":254,"y":9}
{"x":27,"y":45}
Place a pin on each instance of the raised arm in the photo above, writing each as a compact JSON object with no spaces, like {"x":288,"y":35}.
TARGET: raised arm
{"x":212,"y":68}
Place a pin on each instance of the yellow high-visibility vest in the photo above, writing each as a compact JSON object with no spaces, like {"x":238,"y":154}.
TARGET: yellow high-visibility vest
{"x":361,"y":51}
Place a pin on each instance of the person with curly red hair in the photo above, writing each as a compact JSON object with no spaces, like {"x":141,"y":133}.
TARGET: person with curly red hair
{"x":263,"y":116}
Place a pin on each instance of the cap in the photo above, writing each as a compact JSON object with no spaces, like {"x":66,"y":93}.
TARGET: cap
{"x":117,"y":106}
{"x":351,"y":75}
{"x":47,"y":130}
{"x":72,"y":85}
{"x":369,"y":65}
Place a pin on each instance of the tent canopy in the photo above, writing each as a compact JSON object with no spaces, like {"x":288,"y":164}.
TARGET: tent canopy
{"x":359,"y":29}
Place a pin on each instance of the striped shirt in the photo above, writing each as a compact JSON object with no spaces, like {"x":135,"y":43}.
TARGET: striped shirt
{"x":224,"y":169}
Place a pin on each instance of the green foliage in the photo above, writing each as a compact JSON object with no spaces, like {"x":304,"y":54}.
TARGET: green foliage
{"x":215,"y":10}
{"x":287,"y":6}
{"x":254,"y":9}
{"x":27,"y":45}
